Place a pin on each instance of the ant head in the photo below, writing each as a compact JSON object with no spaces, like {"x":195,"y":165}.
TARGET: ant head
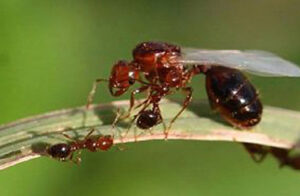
{"x":60,"y":151}
{"x":105,"y":142}
{"x":148,"y":118}
{"x":123,"y":75}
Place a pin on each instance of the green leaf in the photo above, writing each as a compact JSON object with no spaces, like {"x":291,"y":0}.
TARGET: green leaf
{"x":28,"y":138}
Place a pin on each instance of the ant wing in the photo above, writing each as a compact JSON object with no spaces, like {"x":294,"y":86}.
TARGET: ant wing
{"x":254,"y":61}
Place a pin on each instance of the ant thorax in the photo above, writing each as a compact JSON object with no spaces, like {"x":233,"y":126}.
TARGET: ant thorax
{"x":156,"y":61}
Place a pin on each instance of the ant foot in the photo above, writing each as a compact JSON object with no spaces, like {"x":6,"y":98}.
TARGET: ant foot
{"x":166,"y":133}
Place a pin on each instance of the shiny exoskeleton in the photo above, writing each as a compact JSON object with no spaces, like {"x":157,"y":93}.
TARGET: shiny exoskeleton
{"x":154,"y":66}
{"x":157,"y":67}
{"x":148,"y":119}
{"x":60,"y":151}
{"x":65,"y":151}
{"x":231,"y":93}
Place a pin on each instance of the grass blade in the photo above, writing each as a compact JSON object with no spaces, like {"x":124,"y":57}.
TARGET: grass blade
{"x":28,"y":138}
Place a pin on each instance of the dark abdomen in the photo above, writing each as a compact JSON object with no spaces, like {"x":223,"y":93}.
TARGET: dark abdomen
{"x":230,"y":93}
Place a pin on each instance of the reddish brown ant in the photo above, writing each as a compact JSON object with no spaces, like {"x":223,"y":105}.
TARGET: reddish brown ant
{"x":163,"y":68}
{"x":65,"y":151}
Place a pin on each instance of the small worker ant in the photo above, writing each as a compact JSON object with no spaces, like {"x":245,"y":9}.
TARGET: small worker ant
{"x":259,"y":152}
{"x":65,"y":151}
{"x":162,"y":69}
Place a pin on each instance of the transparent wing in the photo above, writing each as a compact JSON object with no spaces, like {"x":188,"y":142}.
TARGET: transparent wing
{"x":254,"y":61}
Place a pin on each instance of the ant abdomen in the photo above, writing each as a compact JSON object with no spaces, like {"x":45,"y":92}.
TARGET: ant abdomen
{"x":60,"y":151}
{"x":231,"y":93}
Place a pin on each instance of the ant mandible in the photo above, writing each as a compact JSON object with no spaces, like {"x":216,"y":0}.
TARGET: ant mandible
{"x":163,"y":68}
{"x":65,"y":151}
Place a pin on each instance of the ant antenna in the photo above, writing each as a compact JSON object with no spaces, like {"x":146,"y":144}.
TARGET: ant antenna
{"x":93,"y":91}
{"x":113,"y":128}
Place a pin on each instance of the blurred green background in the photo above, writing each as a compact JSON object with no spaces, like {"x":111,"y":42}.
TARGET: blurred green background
{"x":52,"y":50}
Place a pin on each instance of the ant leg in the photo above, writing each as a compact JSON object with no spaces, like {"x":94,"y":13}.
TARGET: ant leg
{"x":132,"y":99}
{"x":67,"y":136}
{"x":71,"y":157}
{"x":117,"y":118}
{"x":156,"y":106}
{"x":74,"y":140}
{"x":141,"y":104}
{"x":90,"y":133}
{"x":114,"y":123}
{"x":131,"y":107}
{"x":282,"y":156}
{"x":145,"y":86}
{"x":258,"y":158}
{"x":135,"y":117}
{"x":113,"y":127}
{"x":77,"y":159}
{"x":187,"y":101}
{"x":257,"y":152}
{"x":93,"y":91}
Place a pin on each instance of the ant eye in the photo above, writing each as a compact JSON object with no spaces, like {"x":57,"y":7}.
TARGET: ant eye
{"x":132,"y":76}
